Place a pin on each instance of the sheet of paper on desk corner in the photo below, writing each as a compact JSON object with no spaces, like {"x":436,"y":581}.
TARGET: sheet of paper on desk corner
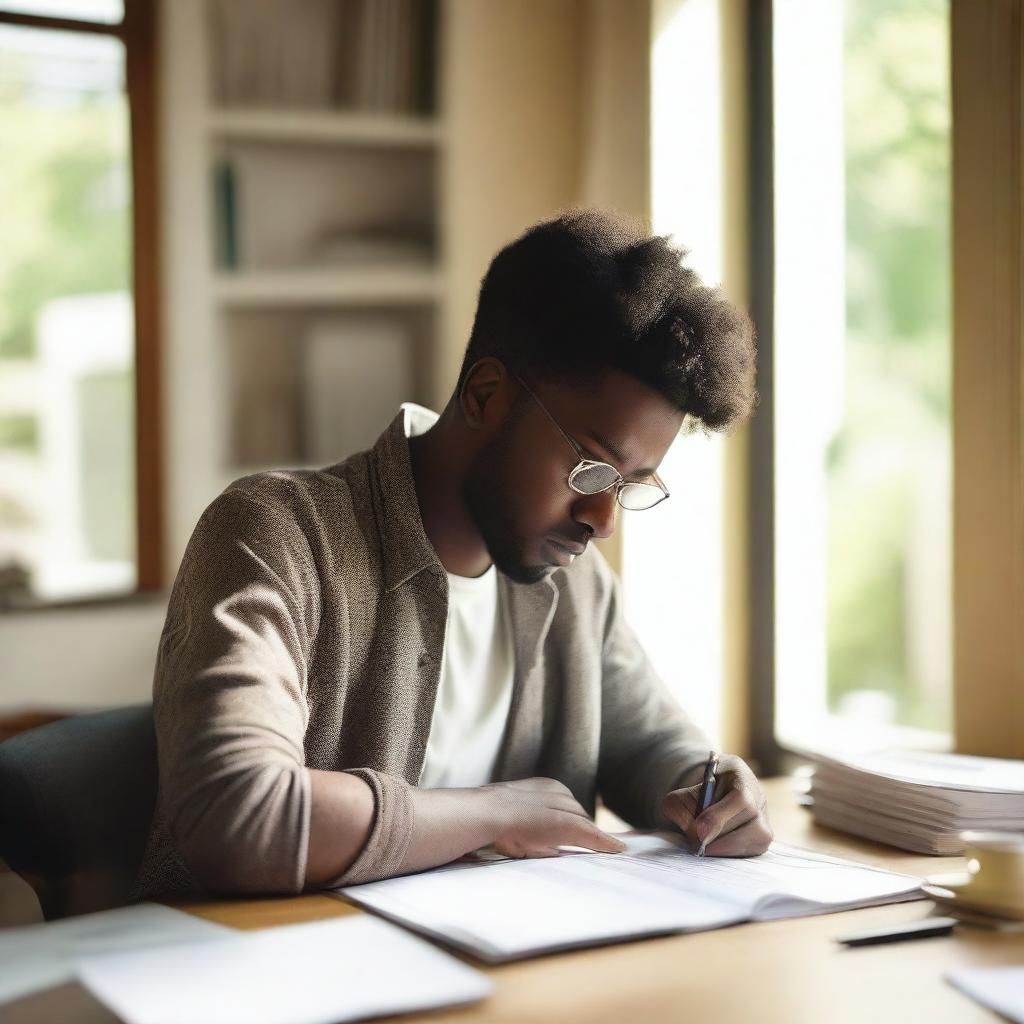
{"x":40,"y":956}
{"x":341,"y":969}
{"x":1000,"y":989}
{"x":509,"y":909}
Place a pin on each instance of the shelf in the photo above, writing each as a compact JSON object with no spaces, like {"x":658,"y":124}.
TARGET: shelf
{"x":325,"y":127}
{"x":331,"y":287}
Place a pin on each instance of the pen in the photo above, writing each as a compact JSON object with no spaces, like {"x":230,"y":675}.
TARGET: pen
{"x":923,"y":929}
{"x":707,"y":791}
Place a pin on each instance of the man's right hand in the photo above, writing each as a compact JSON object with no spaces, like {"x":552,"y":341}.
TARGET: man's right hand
{"x":535,"y":816}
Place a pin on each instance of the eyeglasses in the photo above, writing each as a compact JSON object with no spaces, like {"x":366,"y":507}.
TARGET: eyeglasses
{"x":592,"y":477}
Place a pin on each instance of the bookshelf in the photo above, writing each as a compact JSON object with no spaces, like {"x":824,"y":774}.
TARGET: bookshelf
{"x":321,"y":279}
{"x":320,"y":127}
{"x":356,"y":287}
{"x":497,"y":147}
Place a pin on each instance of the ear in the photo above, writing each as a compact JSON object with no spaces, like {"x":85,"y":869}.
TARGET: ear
{"x":486,"y":395}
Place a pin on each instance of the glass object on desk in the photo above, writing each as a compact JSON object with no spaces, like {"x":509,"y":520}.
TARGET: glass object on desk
{"x":67,"y":476}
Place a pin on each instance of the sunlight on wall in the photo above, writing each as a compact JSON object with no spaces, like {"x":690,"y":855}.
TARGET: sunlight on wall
{"x":809,"y":333}
{"x":672,"y":556}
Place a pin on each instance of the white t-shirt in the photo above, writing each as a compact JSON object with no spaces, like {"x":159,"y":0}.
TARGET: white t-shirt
{"x":477,"y":667}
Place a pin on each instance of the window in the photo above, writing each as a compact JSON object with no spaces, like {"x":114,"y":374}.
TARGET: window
{"x":76,"y":303}
{"x":861,"y":340}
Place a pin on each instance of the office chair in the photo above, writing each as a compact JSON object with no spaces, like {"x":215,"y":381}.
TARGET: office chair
{"x":76,"y":803}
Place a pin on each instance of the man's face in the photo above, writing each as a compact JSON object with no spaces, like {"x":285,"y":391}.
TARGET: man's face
{"x":517,"y":486}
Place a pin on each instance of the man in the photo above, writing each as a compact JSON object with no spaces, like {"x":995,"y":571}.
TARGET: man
{"x":378,"y":667}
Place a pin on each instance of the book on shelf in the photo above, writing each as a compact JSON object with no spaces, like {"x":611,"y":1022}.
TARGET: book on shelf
{"x":360,"y":55}
{"x":275,"y":53}
{"x":225,"y":212}
{"x":265,"y":427}
{"x":356,"y":372}
{"x":372,"y":247}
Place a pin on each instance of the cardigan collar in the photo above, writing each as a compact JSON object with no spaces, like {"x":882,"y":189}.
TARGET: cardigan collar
{"x":406,"y":550}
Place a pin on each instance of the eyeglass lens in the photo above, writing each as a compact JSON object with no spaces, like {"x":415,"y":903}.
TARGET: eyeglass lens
{"x":600,"y":476}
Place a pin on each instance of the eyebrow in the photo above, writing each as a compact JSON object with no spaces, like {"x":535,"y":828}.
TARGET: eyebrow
{"x":616,"y":453}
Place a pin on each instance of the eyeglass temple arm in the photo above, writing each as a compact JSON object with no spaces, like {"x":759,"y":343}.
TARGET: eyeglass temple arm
{"x":575,"y":447}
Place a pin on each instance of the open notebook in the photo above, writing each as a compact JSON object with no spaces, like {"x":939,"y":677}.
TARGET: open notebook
{"x":509,"y":909}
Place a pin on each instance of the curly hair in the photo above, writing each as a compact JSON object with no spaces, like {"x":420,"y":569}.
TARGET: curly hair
{"x":592,"y":289}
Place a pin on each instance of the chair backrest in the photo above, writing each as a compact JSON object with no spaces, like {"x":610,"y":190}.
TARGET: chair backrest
{"x":76,"y":804}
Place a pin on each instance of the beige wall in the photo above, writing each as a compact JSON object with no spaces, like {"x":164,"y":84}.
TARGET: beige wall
{"x":735,"y":715}
{"x":511,"y":96}
{"x":547,"y":106}
{"x":615,"y":156}
{"x":79,"y":659}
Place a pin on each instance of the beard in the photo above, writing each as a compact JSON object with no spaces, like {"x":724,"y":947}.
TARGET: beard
{"x":482,"y":490}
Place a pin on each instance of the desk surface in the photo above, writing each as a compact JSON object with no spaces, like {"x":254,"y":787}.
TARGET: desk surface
{"x":785,"y":971}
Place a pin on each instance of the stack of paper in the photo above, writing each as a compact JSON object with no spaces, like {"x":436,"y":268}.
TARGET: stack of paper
{"x":919,"y":801}
{"x":505,"y":910}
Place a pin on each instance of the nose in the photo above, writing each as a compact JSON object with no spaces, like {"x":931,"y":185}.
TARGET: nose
{"x":598,"y":511}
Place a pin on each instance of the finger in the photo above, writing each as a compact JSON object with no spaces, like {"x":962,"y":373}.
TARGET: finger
{"x":679,"y":807}
{"x":730,"y":779}
{"x":534,"y":784}
{"x":523,"y":850}
{"x":552,"y":785}
{"x":748,"y":840}
{"x":734,"y":809}
{"x":567,"y":803}
{"x":591,"y":837}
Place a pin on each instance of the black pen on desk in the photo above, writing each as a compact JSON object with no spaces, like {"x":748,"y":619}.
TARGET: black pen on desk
{"x":706,"y":796}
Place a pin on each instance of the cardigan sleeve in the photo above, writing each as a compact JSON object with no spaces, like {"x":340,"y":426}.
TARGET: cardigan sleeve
{"x":230,"y":698}
{"x":649,"y":745}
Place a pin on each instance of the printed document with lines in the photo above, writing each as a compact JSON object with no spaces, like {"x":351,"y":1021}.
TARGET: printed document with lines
{"x":508,"y":909}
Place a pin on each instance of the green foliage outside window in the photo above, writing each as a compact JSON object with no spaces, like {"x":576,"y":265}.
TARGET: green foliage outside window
{"x":66,"y":221}
{"x":895,"y":428}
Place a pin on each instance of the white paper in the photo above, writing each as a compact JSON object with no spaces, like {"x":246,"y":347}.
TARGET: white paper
{"x":946,"y":771}
{"x":919,"y":800}
{"x":40,"y":956}
{"x":340,"y":969}
{"x":502,"y":910}
{"x":999,"y":988}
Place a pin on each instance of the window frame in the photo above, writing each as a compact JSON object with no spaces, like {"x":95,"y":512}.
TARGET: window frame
{"x":988,"y":377}
{"x":137,"y":31}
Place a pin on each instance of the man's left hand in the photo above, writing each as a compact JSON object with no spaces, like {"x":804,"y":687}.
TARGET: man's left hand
{"x":736,"y":823}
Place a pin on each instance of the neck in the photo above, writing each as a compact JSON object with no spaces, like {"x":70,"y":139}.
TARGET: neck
{"x":438,"y":461}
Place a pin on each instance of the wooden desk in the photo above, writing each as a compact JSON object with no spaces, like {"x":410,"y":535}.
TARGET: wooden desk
{"x":785,"y":971}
